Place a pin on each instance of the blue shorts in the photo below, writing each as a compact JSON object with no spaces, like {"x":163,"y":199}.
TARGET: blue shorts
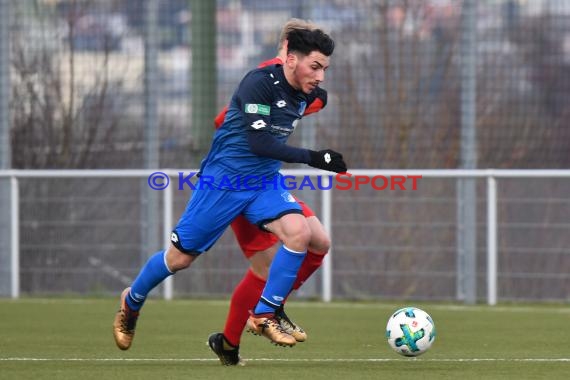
{"x":210,"y":211}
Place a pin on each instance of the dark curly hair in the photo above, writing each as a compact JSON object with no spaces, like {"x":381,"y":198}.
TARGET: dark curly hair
{"x":306,"y":41}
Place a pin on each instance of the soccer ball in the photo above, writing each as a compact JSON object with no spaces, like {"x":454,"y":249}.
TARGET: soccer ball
{"x":410,"y":331}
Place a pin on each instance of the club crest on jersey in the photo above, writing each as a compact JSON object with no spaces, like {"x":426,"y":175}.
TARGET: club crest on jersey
{"x":260,"y":109}
{"x":287,"y":197}
{"x":302,"y":107}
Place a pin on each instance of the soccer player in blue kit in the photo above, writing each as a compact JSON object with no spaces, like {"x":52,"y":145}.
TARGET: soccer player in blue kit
{"x":242,"y":173}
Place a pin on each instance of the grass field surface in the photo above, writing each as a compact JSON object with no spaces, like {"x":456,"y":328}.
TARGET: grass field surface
{"x":72,"y":339}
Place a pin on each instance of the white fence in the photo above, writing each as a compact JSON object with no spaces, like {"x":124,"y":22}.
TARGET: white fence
{"x":492,"y":235}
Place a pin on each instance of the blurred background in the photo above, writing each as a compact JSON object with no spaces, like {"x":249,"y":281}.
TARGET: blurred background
{"x":434,"y":84}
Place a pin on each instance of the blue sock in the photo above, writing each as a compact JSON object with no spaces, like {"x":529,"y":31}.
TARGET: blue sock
{"x":282,"y":275}
{"x":152,"y":274}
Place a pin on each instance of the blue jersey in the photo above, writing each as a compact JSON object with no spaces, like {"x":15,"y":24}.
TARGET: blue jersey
{"x":263,"y":104}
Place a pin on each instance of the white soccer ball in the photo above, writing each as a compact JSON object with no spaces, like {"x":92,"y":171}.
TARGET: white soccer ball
{"x":410,"y":331}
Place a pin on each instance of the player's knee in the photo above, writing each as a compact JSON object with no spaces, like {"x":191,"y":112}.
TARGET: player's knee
{"x":320,"y":243}
{"x":177,"y":260}
{"x":320,"y":239}
{"x":299,"y":239}
{"x":293,"y":230}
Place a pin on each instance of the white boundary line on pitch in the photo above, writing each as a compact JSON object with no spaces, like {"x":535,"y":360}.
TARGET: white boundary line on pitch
{"x":380,"y":305}
{"x":371,"y":360}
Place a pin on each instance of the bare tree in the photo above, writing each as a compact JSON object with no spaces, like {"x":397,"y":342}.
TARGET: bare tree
{"x":58,"y":120}
{"x":399,"y":109}
{"x":400,"y":104}
{"x":66,"y":108}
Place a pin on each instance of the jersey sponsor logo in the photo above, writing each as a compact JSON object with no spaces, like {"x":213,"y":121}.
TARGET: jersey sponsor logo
{"x":258,"y":124}
{"x":260,"y":109}
{"x":281,"y":131}
{"x":281,"y":103}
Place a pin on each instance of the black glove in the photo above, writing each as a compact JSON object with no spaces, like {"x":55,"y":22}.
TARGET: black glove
{"x":327,"y":159}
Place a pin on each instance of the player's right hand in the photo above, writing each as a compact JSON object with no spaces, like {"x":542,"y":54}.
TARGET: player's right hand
{"x":327,"y":159}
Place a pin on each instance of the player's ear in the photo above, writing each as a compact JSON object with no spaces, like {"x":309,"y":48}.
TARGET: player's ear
{"x":291,"y":60}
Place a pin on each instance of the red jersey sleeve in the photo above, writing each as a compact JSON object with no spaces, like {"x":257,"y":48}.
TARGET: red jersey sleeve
{"x":269,"y":62}
{"x":220,"y":118}
{"x":315,"y":106}
{"x":319,"y":101}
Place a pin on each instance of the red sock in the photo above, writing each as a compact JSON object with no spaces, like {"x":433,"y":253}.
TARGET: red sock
{"x":245,"y":297}
{"x":311,"y":263}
